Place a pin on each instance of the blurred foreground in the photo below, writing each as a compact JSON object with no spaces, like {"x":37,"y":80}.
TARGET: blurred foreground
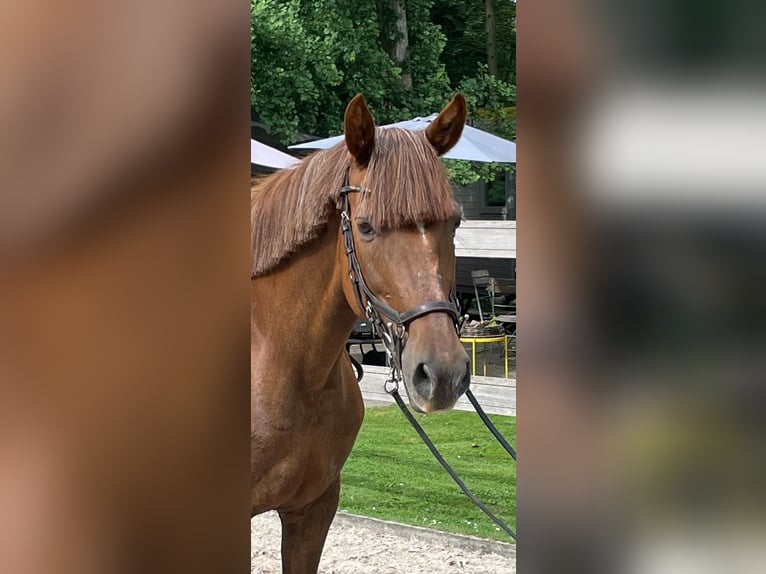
{"x":642,"y":267}
{"x":123,"y":289}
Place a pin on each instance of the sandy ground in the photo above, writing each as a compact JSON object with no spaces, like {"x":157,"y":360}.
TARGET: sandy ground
{"x":359,"y":548}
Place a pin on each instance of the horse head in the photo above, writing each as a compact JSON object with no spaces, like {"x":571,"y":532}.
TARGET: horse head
{"x":402,"y":222}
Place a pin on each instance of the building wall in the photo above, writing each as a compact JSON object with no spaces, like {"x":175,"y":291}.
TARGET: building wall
{"x":473,"y":198}
{"x":499,"y":268}
{"x":469,"y":196}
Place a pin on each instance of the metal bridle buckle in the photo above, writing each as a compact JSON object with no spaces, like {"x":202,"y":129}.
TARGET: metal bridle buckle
{"x":392,"y":383}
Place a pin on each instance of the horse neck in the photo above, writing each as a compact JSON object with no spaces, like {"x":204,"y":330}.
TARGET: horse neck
{"x":300,"y":312}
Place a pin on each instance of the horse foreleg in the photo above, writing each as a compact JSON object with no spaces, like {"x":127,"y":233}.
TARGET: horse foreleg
{"x":304,"y":532}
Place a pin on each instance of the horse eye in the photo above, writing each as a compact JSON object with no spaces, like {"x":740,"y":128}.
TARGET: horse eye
{"x":365,"y":228}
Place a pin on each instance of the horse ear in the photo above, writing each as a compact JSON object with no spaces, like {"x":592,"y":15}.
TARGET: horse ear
{"x":360,"y":130}
{"x":445,"y":130}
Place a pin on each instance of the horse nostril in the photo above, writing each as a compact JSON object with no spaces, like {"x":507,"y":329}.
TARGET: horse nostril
{"x":423,"y":380}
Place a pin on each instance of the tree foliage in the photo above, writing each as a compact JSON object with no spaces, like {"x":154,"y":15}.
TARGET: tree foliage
{"x":309,"y":58}
{"x":487,"y":97}
{"x":463,"y":22}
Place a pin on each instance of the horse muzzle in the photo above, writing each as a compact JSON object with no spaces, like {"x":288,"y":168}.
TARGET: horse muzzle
{"x":435,"y":380}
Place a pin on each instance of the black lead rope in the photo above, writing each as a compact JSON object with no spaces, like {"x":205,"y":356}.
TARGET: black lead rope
{"x":437,"y":455}
{"x":358,"y":368}
{"x":488,"y":423}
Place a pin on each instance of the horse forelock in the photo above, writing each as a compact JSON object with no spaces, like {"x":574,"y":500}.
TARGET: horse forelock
{"x":405,"y":183}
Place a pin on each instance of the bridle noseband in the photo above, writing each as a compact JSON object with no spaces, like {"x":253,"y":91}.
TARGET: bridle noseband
{"x":394,"y":331}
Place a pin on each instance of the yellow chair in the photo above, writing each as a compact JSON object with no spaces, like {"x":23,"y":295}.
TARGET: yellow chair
{"x":486,"y":340}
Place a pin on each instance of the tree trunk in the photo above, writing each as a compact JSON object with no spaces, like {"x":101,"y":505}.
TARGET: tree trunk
{"x":393,"y":24}
{"x":491,"y":37}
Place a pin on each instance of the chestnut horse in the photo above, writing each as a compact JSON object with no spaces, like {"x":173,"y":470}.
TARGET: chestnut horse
{"x":388,"y":190}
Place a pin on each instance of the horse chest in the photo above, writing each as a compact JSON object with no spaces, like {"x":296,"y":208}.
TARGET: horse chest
{"x":298,"y":447}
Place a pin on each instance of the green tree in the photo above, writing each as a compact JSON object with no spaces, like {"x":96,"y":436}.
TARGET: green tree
{"x":491,"y":105}
{"x":309,"y":58}
{"x":465,"y":25}
{"x":289,"y":67}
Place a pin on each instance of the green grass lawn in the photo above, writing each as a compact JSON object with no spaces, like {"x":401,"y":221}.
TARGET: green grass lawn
{"x":391,"y":474}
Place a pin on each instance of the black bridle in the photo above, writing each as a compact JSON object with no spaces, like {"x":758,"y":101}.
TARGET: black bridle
{"x":393,"y":331}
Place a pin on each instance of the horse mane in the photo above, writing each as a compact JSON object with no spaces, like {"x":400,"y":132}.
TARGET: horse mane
{"x":405,"y":183}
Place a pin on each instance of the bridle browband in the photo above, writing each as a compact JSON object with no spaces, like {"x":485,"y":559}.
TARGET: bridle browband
{"x":394,"y":331}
